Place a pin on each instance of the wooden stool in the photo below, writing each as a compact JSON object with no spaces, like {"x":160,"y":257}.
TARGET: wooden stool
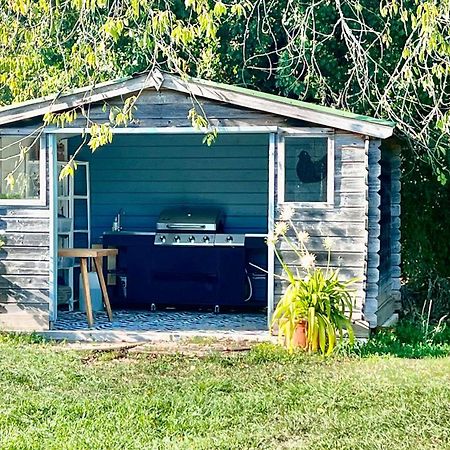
{"x":97,"y":255}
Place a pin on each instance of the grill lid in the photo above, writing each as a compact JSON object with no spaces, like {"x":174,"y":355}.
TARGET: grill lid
{"x":190,"y":219}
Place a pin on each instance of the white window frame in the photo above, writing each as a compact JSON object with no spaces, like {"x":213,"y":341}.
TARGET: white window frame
{"x":41,"y":201}
{"x":281,"y":174}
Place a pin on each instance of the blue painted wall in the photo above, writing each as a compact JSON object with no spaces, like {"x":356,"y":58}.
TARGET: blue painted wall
{"x":144,"y":174}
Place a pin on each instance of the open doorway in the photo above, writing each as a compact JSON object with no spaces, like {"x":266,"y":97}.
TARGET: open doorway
{"x":118,"y":199}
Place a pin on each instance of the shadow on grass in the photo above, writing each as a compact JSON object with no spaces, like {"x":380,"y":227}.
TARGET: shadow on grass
{"x":409,"y":339}
{"x":389,"y":342}
{"x":376,"y":347}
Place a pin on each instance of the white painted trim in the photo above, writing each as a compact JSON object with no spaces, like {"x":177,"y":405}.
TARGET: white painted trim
{"x":88,"y":202}
{"x":310,"y":131}
{"x":270,"y":230}
{"x":167,"y":130}
{"x":330,"y":171}
{"x":42,"y":200}
{"x":281,"y":174}
{"x":53,"y":206}
{"x":306,"y":132}
{"x":71,"y":132}
{"x":126,"y":336}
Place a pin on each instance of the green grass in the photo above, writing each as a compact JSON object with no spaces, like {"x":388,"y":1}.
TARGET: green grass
{"x":408,"y":339}
{"x":264,"y":399}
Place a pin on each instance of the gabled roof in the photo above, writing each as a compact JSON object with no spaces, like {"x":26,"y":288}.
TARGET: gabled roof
{"x":247,"y":98}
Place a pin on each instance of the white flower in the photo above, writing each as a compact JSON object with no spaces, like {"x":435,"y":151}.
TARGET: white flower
{"x":281,"y":228}
{"x":327,"y":243}
{"x":302,"y":236}
{"x":307,"y":261}
{"x":272,"y":239}
{"x":287,"y":212}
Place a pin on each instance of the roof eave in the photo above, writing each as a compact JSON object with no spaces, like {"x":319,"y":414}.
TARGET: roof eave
{"x":79,"y":97}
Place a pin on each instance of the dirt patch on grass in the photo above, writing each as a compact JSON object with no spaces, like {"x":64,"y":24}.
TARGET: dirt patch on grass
{"x":195,"y":348}
{"x":199,"y":347}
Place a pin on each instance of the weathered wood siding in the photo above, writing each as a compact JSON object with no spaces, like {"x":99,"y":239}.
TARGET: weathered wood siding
{"x":345,"y":223}
{"x":165,"y":108}
{"x":389,"y":264}
{"x":24,"y":268}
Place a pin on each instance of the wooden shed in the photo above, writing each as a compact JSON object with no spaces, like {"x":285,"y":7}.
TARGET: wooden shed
{"x":339,"y":171}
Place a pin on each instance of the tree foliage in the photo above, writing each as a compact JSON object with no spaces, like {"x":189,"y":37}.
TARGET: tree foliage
{"x":50,"y":46}
{"x":390,"y":59}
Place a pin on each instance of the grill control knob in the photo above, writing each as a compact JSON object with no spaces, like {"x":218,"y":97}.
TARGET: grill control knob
{"x":177,"y":238}
{"x":229,"y":239}
{"x":206,"y":239}
{"x":162,"y":239}
{"x":192,"y":239}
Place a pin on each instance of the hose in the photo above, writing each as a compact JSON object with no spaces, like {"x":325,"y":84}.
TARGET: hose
{"x":250,"y":286}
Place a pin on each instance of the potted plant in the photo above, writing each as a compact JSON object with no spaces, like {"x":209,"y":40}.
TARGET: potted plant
{"x":316,"y":305}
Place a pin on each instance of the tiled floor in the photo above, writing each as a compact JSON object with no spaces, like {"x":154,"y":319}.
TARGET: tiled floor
{"x":168,"y":321}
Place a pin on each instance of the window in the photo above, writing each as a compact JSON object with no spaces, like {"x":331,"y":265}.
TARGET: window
{"x":22,"y":163}
{"x":308,"y":164}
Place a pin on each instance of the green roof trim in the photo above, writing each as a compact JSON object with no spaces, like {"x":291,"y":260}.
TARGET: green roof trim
{"x":292,"y":102}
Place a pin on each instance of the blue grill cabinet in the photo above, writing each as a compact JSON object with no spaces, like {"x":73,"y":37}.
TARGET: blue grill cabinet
{"x":134,"y":263}
{"x":184,"y":277}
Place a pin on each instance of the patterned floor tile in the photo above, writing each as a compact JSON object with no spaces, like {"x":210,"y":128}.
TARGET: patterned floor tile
{"x":164,"y":321}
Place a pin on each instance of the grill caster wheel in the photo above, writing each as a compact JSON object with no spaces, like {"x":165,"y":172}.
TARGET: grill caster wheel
{"x":152,"y":307}
{"x":216,"y":309}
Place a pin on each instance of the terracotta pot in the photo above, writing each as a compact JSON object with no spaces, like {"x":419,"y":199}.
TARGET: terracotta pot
{"x":299,"y":338}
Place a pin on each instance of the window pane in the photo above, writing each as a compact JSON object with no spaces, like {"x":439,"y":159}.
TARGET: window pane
{"x":80,"y":183}
{"x":19,"y":168}
{"x":306,"y":169}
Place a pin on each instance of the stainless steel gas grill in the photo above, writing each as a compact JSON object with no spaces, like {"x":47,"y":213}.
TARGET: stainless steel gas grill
{"x":195,"y":263}
{"x":194,"y":227}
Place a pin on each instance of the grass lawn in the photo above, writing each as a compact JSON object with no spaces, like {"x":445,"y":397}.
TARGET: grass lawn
{"x":264,"y":399}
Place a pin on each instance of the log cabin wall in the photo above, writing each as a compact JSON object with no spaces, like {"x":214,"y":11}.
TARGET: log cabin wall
{"x":24,"y":266}
{"x":389,"y":297}
{"x":353,"y":222}
{"x":345,"y":222}
{"x":373,"y":232}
